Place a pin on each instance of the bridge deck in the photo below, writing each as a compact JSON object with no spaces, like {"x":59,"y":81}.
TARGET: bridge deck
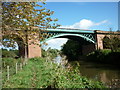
{"x":70,"y":30}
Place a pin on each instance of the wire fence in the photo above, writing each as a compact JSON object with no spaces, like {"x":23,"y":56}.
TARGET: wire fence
{"x":11,"y":67}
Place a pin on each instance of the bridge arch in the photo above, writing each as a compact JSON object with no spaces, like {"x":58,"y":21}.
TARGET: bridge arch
{"x":69,"y":34}
{"x":87,"y":44}
{"x":105,"y":41}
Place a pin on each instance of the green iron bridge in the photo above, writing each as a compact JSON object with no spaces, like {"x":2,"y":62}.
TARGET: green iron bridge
{"x":93,"y":39}
{"x":88,"y":35}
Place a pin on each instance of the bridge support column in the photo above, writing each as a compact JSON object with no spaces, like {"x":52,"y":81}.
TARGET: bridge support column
{"x":100,"y":41}
{"x":34,"y":49}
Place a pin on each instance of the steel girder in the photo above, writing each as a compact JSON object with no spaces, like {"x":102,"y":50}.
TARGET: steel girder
{"x":51,"y":35}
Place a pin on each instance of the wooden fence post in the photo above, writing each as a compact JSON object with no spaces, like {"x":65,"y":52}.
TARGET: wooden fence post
{"x":21,"y":66}
{"x":4,"y":63}
{"x":8,"y":75}
{"x":16,"y":68}
{"x":24,"y":62}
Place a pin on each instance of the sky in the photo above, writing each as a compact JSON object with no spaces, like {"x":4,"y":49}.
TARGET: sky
{"x":83,"y":15}
{"x":82,"y":0}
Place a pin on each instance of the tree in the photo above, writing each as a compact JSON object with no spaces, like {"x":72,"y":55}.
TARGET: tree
{"x":112,"y":42}
{"x":10,"y":53}
{"x":23,"y":16}
{"x":72,"y":49}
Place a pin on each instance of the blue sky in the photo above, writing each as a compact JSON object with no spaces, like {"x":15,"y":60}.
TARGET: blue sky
{"x":84,"y":15}
{"x":104,"y":15}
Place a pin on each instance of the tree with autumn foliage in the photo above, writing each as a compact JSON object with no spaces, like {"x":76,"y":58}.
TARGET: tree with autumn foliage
{"x":22,"y":18}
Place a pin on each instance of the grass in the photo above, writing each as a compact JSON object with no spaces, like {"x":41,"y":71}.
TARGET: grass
{"x":39,"y":73}
{"x":11,"y":62}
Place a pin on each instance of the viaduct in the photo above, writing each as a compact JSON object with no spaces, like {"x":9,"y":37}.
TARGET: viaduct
{"x":33,"y":49}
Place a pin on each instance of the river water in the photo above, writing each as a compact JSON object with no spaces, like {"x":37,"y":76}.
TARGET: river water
{"x":107,"y":74}
{"x":101,"y":72}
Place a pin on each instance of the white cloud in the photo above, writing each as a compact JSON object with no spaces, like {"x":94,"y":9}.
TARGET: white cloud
{"x":102,"y":22}
{"x":55,"y":43}
{"x":84,"y":24}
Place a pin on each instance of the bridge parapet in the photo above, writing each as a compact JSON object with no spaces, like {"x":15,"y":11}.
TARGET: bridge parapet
{"x":69,"y":30}
{"x":106,"y":32}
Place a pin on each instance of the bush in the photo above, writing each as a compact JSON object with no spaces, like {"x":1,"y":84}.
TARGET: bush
{"x":10,"y":62}
{"x":106,"y":51}
{"x":104,"y":56}
{"x":9,"y":54}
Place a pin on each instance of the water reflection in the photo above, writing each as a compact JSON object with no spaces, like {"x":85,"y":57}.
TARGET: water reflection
{"x":99,"y":72}
{"x":58,"y":59}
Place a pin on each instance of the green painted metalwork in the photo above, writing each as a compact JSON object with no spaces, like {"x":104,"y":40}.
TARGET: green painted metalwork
{"x":70,"y":30}
{"x":88,"y":35}
{"x":78,"y":35}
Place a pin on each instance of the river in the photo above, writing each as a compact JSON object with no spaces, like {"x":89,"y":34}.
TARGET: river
{"x":107,"y":74}
{"x":101,"y":72}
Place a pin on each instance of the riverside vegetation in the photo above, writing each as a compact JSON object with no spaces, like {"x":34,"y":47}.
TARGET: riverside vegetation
{"x":105,"y":56}
{"x":39,"y":73}
{"x":110,"y":55}
{"x":44,"y":73}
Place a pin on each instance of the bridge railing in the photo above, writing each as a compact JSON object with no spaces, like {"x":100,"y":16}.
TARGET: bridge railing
{"x":69,"y":30}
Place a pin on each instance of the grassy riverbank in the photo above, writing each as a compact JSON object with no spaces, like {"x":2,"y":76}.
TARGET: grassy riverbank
{"x":39,"y":73}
